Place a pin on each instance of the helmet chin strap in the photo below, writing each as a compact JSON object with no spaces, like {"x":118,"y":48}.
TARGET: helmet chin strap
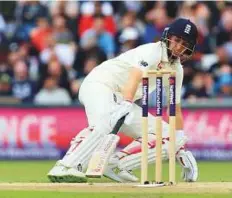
{"x":171,"y":56}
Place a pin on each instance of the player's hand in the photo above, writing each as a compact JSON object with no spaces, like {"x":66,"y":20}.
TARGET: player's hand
{"x":120,"y":110}
{"x":189,"y":166}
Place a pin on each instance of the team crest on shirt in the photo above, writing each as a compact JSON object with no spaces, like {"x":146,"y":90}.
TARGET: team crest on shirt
{"x":143,"y":63}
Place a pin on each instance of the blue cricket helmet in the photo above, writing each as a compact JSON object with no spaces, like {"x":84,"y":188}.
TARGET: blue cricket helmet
{"x":184,"y":29}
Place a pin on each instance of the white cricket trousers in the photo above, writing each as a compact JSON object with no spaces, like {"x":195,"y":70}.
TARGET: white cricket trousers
{"x":99,"y":100}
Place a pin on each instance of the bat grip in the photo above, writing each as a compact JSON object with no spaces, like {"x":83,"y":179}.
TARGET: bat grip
{"x":118,"y":124}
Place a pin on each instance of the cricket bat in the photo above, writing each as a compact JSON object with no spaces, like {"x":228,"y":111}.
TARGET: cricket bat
{"x":102,"y":153}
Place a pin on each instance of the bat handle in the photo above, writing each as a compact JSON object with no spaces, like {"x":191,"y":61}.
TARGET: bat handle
{"x":118,"y":124}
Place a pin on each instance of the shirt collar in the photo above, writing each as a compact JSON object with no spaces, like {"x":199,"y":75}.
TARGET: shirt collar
{"x":164,"y":57}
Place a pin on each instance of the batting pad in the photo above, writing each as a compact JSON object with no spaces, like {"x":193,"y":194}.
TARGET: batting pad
{"x":132,"y":162}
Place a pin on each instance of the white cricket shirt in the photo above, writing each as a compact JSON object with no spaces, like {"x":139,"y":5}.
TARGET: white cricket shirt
{"x":153,"y":56}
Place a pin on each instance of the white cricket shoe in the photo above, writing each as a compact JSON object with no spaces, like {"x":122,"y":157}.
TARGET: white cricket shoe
{"x":127,"y":176}
{"x":61,"y":174}
{"x":122,"y":176}
{"x":111,"y":174}
{"x":189,"y":166}
{"x":118,"y":175}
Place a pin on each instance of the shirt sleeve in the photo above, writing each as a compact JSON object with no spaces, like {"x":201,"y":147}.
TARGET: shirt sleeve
{"x":146,"y":57}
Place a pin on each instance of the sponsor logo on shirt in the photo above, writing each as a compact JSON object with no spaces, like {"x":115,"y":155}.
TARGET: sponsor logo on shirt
{"x":143,"y":63}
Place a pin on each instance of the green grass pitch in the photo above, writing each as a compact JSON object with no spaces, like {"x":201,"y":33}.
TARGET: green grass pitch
{"x":35,"y":172}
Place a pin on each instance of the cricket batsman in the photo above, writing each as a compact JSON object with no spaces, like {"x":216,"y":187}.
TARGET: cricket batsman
{"x":109,"y":93}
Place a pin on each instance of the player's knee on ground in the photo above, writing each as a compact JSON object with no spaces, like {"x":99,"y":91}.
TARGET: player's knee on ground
{"x":130,"y":156}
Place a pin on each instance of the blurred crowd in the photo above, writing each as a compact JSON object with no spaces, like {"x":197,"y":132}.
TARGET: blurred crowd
{"x":48,"y":47}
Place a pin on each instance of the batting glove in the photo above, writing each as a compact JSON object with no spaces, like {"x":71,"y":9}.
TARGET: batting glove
{"x":120,"y":110}
{"x":189,"y":166}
